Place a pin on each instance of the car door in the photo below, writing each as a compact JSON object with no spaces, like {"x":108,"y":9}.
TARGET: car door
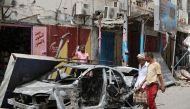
{"x":93,"y":89}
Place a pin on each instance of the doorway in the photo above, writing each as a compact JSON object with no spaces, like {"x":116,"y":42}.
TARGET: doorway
{"x":13,"y":39}
{"x":107,"y":48}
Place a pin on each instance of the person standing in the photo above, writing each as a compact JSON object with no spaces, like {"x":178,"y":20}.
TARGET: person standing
{"x":81,"y":54}
{"x":154,"y":80}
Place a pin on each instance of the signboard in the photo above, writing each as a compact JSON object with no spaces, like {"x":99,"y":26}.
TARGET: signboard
{"x":165,"y":19}
{"x":39,"y":40}
{"x":167,"y":75}
{"x":21,"y":69}
{"x":182,"y":22}
{"x":182,"y":17}
{"x":70,"y":42}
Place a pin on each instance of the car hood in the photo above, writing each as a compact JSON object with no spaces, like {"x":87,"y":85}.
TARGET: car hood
{"x":35,"y":87}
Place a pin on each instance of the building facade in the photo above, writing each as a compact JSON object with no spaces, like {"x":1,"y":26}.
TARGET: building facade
{"x":46,"y":21}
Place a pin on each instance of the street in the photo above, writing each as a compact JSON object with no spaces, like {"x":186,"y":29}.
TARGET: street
{"x":94,"y":54}
{"x":175,"y":97}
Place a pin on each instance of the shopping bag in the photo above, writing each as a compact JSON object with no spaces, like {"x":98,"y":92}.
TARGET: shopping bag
{"x":140,"y":97}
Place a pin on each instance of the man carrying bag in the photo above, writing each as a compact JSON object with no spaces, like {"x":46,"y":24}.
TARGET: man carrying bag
{"x":140,"y":95}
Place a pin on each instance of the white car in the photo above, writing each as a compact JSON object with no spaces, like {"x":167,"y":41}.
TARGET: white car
{"x":78,"y":87}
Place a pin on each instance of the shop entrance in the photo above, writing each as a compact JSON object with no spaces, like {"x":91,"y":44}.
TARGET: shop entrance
{"x":107,"y":48}
{"x":13,"y":39}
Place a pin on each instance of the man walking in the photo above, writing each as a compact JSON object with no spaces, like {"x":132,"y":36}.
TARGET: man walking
{"x":142,"y":71}
{"x":154,"y":80}
{"x":143,"y":67}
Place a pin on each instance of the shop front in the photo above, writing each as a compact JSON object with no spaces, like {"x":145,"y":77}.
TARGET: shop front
{"x":40,"y":40}
{"x":13,"y":39}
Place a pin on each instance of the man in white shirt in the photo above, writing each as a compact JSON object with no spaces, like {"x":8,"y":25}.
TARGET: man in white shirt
{"x":143,"y":65}
{"x":143,"y":68}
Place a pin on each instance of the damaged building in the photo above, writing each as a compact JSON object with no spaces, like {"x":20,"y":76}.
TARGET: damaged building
{"x":38,"y":26}
{"x":45,"y":24}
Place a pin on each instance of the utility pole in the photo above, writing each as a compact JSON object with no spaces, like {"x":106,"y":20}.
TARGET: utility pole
{"x":125,"y":34}
{"x":142,"y":37}
{"x":173,"y":58}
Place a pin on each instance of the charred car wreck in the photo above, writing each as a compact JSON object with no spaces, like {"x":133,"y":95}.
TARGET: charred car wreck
{"x":77,"y":87}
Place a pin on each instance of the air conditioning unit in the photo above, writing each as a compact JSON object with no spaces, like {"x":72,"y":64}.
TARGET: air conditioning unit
{"x":141,"y":1}
{"x":5,"y":3}
{"x":82,"y":8}
{"x":117,"y":4}
{"x":110,"y":12}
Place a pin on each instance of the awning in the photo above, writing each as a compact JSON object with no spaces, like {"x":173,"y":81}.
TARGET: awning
{"x":112,"y":23}
{"x":15,"y":24}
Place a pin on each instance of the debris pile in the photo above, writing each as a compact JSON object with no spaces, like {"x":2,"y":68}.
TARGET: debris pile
{"x":182,"y":75}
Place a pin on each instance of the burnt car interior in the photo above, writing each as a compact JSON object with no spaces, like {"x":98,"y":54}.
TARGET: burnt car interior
{"x":91,"y":93}
{"x":115,"y":89}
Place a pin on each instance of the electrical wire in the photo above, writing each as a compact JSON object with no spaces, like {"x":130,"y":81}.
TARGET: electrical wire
{"x":60,"y":4}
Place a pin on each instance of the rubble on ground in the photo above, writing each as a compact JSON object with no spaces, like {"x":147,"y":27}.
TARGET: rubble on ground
{"x":183,"y":78}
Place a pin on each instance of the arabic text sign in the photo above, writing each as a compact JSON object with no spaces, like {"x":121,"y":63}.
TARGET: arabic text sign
{"x":165,"y":18}
{"x":39,"y":41}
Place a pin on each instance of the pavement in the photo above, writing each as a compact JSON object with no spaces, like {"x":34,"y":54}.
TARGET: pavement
{"x":175,"y":97}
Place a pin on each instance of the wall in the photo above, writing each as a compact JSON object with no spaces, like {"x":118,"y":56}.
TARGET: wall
{"x":44,"y":11}
{"x":140,"y":8}
{"x":183,"y":17}
{"x":94,"y":44}
{"x":184,"y":4}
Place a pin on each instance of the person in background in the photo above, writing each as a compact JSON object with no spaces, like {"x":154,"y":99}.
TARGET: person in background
{"x":153,"y":80}
{"x":81,"y":54}
{"x":143,"y":65}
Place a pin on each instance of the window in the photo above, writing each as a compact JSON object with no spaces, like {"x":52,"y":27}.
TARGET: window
{"x":179,"y":3}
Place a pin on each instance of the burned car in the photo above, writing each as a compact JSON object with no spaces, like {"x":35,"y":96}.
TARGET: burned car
{"x":72,"y":86}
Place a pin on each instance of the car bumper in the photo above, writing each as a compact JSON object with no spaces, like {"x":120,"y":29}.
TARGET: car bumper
{"x":16,"y":104}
